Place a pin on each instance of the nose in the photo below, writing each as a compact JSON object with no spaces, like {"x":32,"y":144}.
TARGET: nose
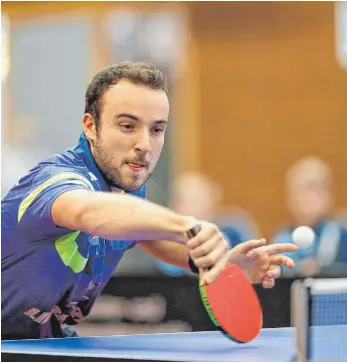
{"x":143,"y":144}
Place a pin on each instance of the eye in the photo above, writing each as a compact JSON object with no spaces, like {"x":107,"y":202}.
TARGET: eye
{"x":128,"y":127}
{"x":158,"y":130}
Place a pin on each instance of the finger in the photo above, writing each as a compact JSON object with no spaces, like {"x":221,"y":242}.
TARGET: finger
{"x":206,"y":247}
{"x":282,"y":260}
{"x":281,"y":248}
{"x":268,"y":283}
{"x":207,"y":232}
{"x":213,"y":273}
{"x":247,"y":246}
{"x":257,"y":253}
{"x":220,"y":251}
{"x":274,"y":272}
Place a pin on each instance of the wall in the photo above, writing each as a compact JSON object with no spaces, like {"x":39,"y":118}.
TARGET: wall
{"x":270,"y":92}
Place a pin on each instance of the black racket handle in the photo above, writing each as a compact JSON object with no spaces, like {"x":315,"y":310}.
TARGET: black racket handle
{"x":193,"y":231}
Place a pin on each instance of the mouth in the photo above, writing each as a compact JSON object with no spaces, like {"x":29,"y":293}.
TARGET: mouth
{"x":136,"y":166}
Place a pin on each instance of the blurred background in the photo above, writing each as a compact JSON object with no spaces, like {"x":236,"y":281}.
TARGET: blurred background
{"x":257,"y":135}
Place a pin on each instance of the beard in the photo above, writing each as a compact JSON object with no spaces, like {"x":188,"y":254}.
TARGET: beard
{"x":113,"y":174}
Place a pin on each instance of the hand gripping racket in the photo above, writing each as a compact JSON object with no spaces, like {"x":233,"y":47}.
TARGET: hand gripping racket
{"x":231,"y":302}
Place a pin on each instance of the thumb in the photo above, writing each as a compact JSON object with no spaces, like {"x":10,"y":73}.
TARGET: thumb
{"x":191,"y":222}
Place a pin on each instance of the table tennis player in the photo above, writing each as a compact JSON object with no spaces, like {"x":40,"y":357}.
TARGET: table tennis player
{"x":67,"y":223}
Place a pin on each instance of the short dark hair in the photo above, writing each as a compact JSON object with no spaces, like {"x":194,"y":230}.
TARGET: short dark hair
{"x":144,"y":73}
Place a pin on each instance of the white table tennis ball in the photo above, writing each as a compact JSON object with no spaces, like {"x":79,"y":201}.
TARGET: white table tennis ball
{"x":303,"y":236}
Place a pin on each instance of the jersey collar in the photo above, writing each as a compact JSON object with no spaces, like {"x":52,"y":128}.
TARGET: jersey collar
{"x":84,"y":151}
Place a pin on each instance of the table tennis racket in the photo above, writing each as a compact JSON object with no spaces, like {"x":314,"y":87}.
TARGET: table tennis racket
{"x":231,"y":302}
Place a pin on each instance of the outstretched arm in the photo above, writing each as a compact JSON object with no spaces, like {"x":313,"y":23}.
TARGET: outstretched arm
{"x":168,"y":252}
{"x":118,"y":216}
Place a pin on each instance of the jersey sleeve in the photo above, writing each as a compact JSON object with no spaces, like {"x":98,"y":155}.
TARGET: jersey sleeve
{"x":49,"y":183}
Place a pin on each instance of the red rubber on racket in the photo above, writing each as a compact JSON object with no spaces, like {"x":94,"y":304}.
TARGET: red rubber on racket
{"x":232,"y":303}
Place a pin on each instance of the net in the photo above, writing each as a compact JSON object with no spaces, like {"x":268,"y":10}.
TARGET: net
{"x":319,"y":312}
{"x":329,"y":302}
{"x":327,"y":330}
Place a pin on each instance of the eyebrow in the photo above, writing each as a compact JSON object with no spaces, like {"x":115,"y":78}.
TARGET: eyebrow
{"x":137,"y":119}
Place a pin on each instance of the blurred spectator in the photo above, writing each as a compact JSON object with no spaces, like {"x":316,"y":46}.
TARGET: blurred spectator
{"x":310,"y":200}
{"x":196,"y":195}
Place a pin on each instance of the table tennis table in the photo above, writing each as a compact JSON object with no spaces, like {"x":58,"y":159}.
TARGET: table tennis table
{"x":271,"y":345}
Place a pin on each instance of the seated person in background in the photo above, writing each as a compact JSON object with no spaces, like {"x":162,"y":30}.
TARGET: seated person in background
{"x":310,"y":199}
{"x":197,"y":195}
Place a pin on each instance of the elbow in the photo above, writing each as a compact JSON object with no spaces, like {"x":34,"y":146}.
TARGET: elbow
{"x":77,"y":217}
{"x":88,"y":218}
{"x":73,"y":210}
{"x":82,"y":217}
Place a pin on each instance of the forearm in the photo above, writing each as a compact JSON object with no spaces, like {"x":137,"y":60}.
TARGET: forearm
{"x":168,"y":252}
{"x":118,"y":216}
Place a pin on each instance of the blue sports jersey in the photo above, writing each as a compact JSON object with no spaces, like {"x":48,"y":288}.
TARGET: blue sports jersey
{"x":51,"y":276}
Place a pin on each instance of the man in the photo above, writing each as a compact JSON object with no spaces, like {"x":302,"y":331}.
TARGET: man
{"x":68,"y":222}
{"x":310,"y":199}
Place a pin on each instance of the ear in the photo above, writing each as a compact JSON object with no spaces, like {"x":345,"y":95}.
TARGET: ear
{"x":89,"y":127}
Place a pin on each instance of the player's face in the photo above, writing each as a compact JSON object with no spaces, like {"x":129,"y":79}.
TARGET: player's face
{"x":133,"y":121}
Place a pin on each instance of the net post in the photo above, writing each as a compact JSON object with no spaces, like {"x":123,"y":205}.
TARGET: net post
{"x":300,"y":319}
{"x":308,"y":284}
